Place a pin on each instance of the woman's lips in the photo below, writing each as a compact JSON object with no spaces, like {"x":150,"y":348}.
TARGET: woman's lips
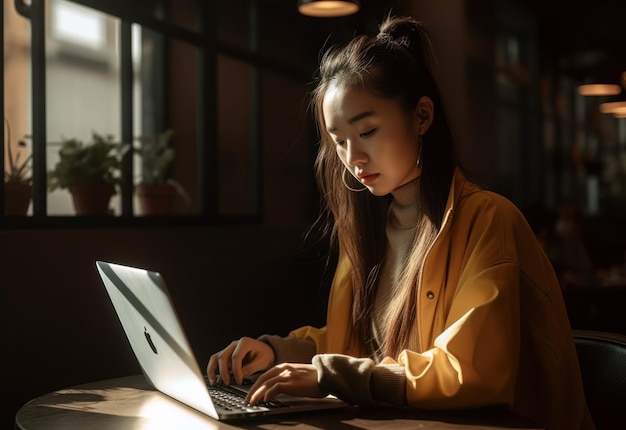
{"x":368,"y":178}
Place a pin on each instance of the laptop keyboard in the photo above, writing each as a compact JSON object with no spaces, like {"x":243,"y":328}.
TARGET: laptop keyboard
{"x":232,"y":399}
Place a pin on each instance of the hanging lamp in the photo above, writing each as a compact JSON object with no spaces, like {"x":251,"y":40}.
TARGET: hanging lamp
{"x":615,"y":107}
{"x":328,"y":8}
{"x":599,"y":89}
{"x":602,"y":83}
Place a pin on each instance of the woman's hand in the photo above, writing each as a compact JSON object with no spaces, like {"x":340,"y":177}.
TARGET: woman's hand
{"x":241,"y":358}
{"x":288,"y":378}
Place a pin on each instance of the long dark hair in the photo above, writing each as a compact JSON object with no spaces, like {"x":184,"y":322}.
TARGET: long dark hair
{"x":394,"y":64}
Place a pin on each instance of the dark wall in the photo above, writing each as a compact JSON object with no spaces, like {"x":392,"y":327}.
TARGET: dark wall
{"x":60,"y":329}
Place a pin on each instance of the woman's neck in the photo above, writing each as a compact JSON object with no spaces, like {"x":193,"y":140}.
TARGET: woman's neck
{"x":406,"y":207}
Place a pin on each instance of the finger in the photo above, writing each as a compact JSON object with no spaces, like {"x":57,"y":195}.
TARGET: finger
{"x":270,"y":389}
{"x":224,"y":372}
{"x":249,"y":358}
{"x":239,"y":354}
{"x":257,"y":391}
{"x":256,"y":395}
{"x":274,"y":390}
{"x":211,"y":368}
{"x":224,"y":362}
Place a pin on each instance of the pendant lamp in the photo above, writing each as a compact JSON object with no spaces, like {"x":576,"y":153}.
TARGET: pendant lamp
{"x":328,"y":8}
{"x":599,"y":89}
{"x":615,"y":107}
{"x":603,"y":84}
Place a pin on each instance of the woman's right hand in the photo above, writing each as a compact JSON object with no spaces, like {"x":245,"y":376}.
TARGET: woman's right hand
{"x":241,"y":358}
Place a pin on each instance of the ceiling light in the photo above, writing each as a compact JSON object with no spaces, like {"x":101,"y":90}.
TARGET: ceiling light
{"x":613,"y":107}
{"x":599,"y":90}
{"x":328,"y":8}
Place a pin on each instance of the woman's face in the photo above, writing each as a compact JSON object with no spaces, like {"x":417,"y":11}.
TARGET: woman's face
{"x":376,"y":138}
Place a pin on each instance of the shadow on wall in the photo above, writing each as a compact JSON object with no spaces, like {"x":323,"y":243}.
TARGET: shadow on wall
{"x":60,"y":328}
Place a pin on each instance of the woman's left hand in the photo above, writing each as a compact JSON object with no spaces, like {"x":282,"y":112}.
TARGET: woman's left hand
{"x":295,"y":379}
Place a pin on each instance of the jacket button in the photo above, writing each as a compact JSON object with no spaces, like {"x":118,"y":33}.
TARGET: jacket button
{"x":430,"y":295}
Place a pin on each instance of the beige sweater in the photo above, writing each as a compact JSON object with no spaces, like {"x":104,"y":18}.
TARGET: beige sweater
{"x":365,"y":380}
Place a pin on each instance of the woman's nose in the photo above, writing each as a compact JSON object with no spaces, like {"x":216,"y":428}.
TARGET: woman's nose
{"x":355,"y":154}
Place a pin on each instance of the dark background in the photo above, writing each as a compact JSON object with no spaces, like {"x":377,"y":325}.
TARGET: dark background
{"x":254,"y":277}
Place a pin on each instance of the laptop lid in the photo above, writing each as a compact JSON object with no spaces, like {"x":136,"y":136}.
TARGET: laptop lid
{"x":145,"y":310}
{"x":156,"y":336}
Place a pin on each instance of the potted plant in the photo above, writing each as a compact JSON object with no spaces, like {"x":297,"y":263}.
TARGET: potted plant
{"x":89,"y":171}
{"x":156,"y":190}
{"x":18,"y":188}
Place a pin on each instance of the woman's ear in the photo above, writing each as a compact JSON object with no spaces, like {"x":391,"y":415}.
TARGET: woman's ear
{"x":425,"y":112}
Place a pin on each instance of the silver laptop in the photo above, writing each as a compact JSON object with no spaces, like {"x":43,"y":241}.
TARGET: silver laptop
{"x":152,"y":326}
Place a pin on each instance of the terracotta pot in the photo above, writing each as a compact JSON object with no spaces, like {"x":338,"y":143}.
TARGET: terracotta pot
{"x":17,"y":197}
{"x":155,"y":199}
{"x":92,"y":199}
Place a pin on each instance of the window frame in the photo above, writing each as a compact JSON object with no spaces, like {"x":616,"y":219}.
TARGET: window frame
{"x":209,"y":48}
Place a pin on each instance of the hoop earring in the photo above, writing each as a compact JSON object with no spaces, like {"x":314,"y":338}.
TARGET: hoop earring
{"x":343,"y":179}
{"x":419,"y":156}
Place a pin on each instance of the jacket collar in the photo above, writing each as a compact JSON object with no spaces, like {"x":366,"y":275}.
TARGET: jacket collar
{"x":459,"y":189}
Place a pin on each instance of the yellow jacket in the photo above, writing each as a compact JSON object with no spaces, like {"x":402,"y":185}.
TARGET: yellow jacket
{"x":492,"y":324}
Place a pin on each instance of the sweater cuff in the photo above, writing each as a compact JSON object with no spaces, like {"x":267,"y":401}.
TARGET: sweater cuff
{"x":388,"y":384}
{"x":290,"y":349}
{"x":346,"y":377}
{"x":360,"y":381}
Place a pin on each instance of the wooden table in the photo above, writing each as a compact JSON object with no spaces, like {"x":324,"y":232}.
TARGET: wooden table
{"x":129,"y":403}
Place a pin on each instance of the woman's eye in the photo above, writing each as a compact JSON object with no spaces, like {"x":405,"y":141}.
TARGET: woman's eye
{"x":368,"y":133}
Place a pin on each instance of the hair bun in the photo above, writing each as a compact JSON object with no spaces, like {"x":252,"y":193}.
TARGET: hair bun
{"x":407,"y":32}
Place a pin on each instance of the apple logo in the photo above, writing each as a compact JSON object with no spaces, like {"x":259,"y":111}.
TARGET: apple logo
{"x":149,"y":339}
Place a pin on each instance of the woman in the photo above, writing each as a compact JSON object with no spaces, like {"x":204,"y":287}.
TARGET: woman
{"x":442,"y":297}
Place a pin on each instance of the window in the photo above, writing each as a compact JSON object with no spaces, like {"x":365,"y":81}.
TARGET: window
{"x":79,"y":26}
{"x":137,"y":70}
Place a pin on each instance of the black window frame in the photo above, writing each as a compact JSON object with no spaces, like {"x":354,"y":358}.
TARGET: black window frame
{"x":205,"y":39}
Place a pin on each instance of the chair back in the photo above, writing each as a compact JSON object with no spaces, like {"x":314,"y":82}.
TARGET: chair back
{"x":602,"y":358}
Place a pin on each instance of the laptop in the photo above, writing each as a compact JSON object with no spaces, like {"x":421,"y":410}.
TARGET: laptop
{"x":156,"y":336}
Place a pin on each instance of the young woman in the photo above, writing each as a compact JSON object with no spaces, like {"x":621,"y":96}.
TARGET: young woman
{"x":442,"y":297}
